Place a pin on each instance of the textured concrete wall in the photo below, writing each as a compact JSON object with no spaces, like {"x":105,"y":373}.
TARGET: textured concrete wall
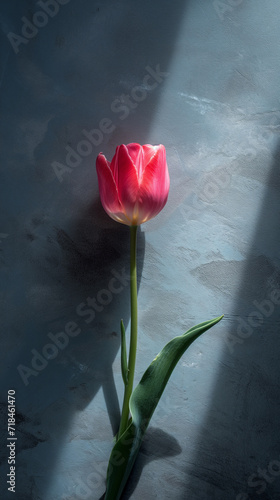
{"x":202,"y":77}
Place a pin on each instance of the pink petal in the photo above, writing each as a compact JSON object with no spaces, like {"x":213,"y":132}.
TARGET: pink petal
{"x":154,"y":188}
{"x":137,"y":156}
{"x":126,"y":178}
{"x":107,"y":187}
{"x":141,"y":156}
{"x":149,"y":151}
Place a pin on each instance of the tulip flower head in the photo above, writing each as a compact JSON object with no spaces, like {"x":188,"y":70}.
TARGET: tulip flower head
{"x":134,"y":186}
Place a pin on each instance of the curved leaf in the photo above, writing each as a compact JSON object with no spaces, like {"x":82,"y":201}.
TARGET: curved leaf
{"x":143,"y":402}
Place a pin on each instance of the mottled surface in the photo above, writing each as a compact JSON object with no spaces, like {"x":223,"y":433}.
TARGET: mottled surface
{"x":202,"y":77}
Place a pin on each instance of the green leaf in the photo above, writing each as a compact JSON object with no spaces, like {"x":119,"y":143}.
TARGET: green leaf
{"x":142,"y":405}
{"x":123,"y":355}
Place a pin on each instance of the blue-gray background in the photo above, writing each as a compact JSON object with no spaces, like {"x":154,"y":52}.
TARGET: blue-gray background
{"x":202,"y":77}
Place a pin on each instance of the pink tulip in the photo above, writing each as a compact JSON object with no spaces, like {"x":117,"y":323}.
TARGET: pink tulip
{"x":134,"y":186}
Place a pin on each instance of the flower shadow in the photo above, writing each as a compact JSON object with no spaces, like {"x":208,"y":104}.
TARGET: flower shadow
{"x":75,"y":279}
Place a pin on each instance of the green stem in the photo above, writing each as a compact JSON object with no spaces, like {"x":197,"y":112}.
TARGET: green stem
{"x":133,"y":330}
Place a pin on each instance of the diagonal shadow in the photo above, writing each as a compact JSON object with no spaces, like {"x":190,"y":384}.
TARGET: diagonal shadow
{"x":56,"y":375}
{"x":61,"y":248}
{"x":238,"y":441}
